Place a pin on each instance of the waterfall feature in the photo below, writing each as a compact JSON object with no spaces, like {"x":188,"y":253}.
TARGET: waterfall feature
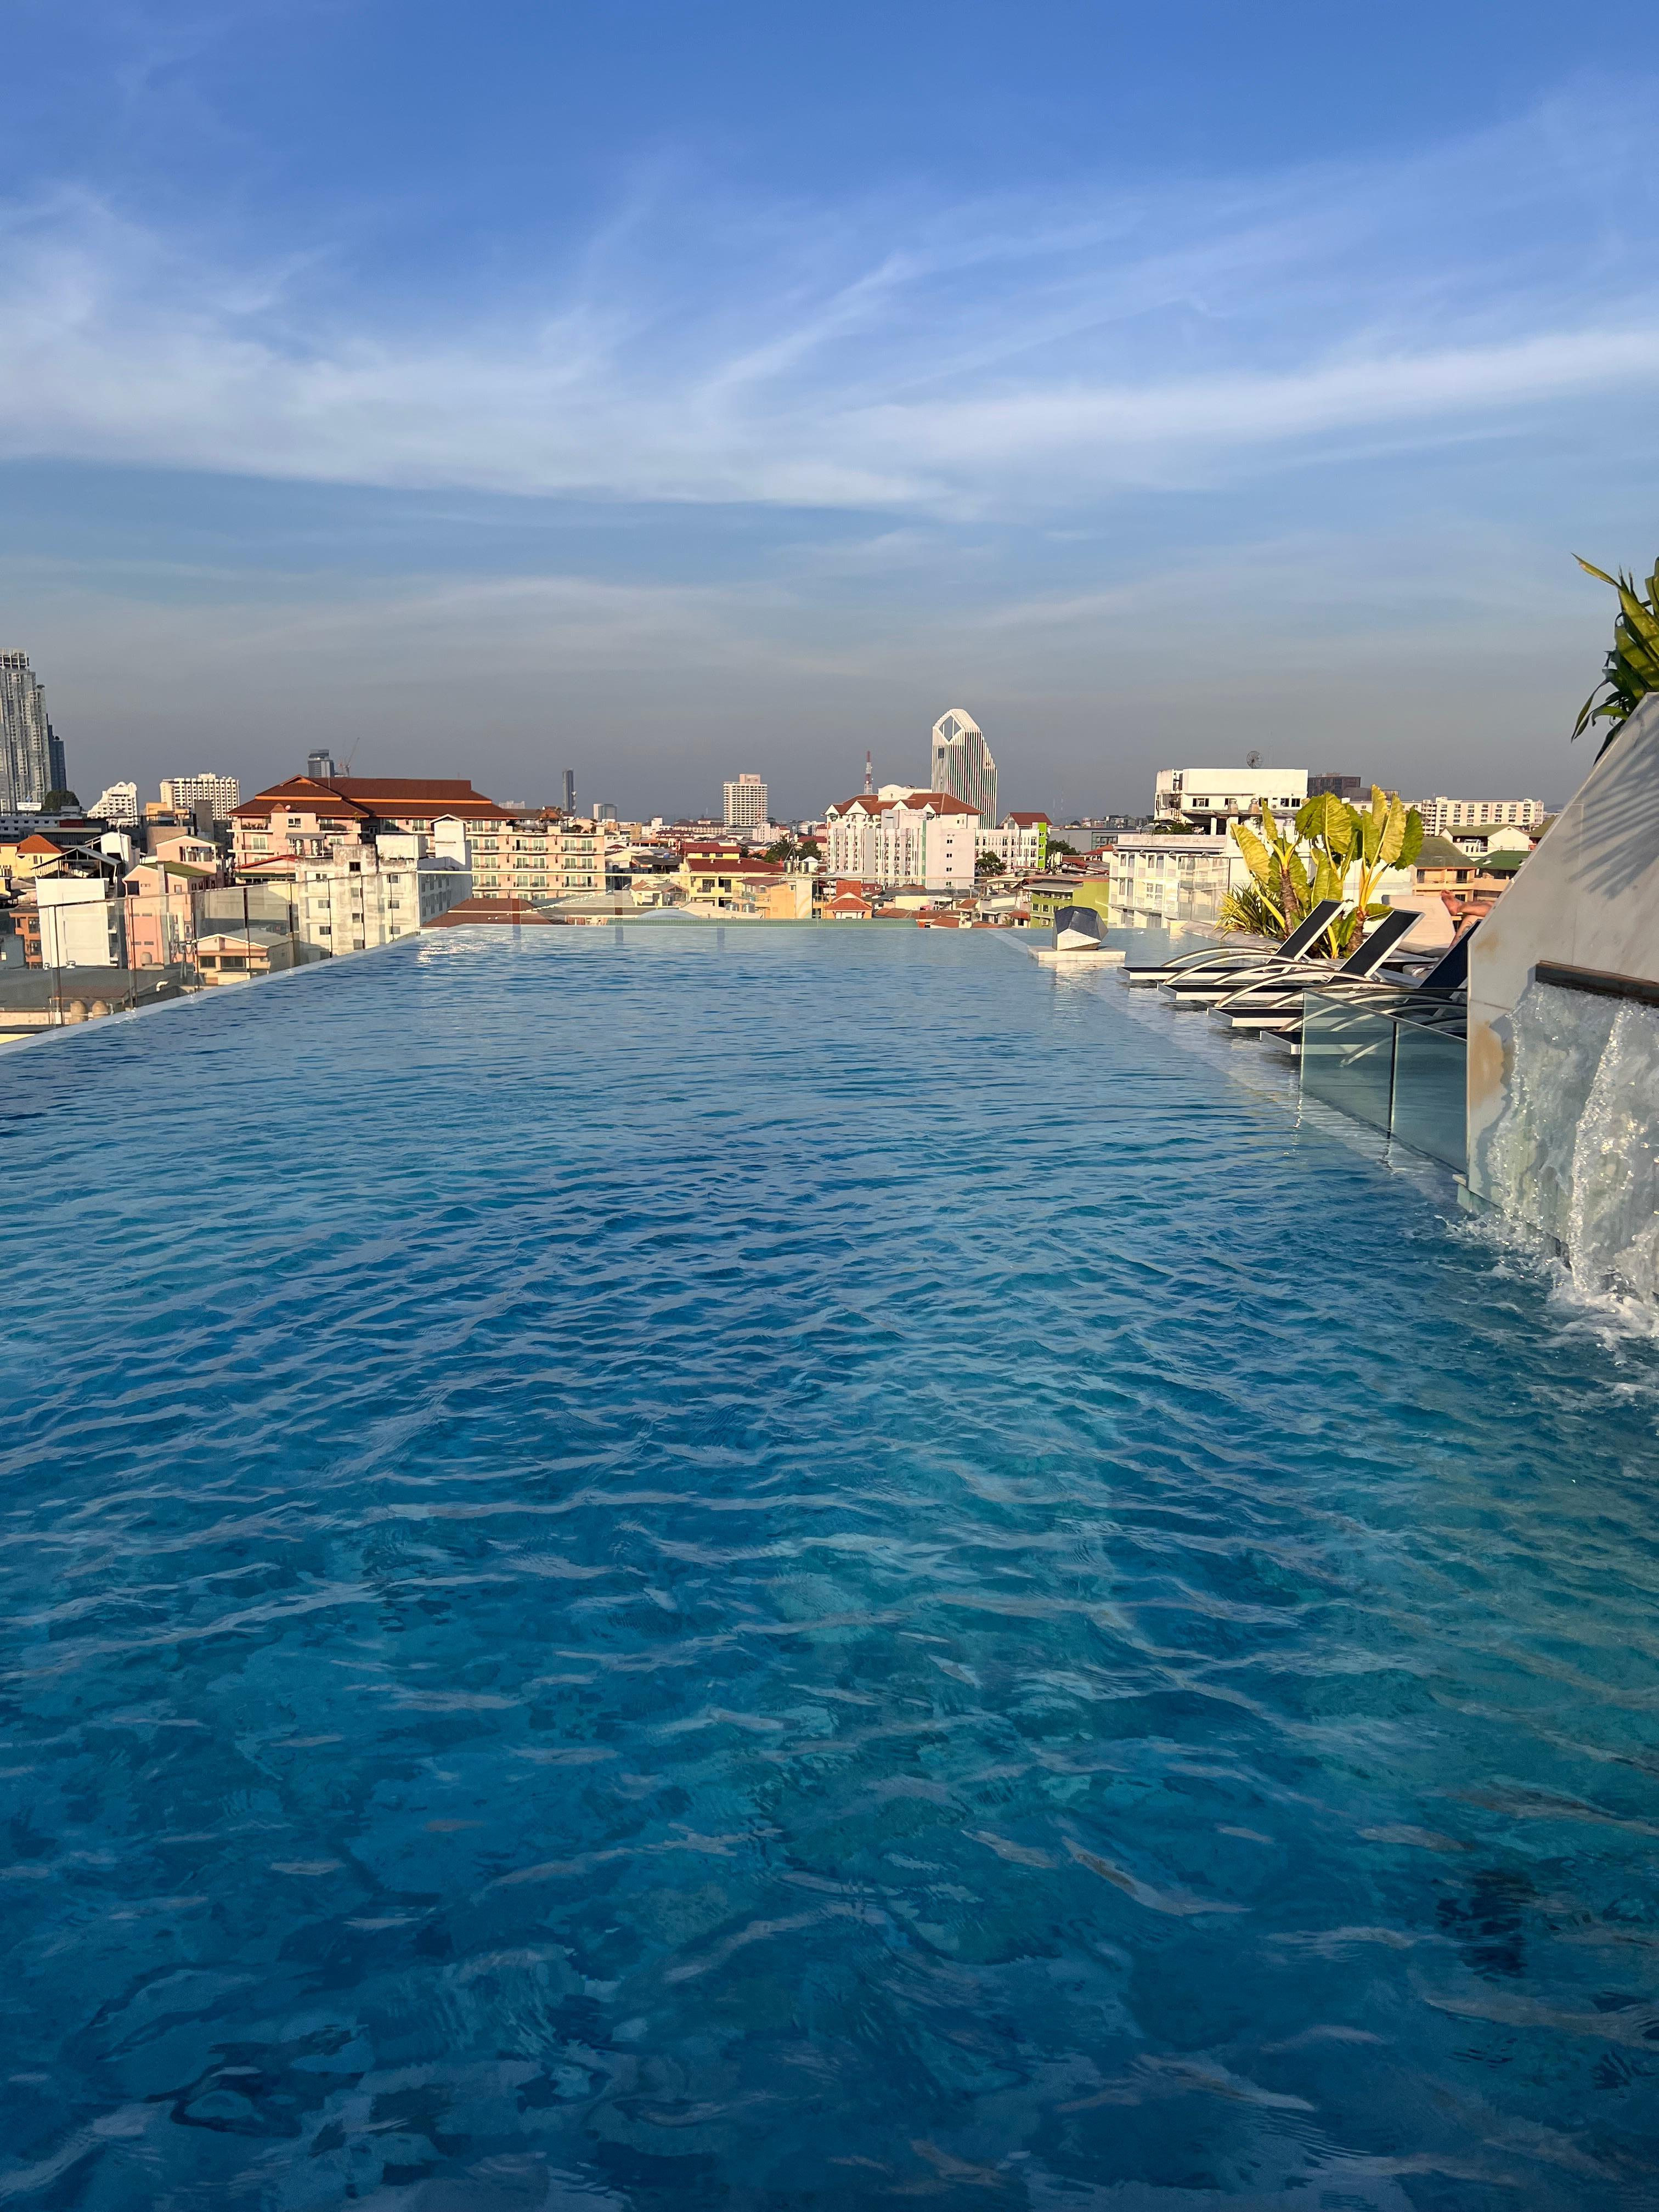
{"x":1563,"y":1027}
{"x":1574,"y":1147}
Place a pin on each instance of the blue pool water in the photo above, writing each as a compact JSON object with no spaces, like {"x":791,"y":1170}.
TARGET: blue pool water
{"x":797,"y":1569}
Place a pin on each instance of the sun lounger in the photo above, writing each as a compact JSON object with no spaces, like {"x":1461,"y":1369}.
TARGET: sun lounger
{"x":1438,"y":1000}
{"x":1223,"y":959}
{"x":1275,"y":1004}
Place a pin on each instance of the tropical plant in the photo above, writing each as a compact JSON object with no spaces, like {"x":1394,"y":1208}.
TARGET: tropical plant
{"x":1249,"y":912}
{"x":989,"y":864}
{"x":1059,"y":845}
{"x":1292,"y":871}
{"x":1632,"y":669}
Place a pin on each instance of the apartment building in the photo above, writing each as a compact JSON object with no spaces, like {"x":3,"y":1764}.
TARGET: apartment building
{"x":538,"y":856}
{"x":117,"y":804}
{"x":745,"y":802}
{"x":309,"y":817}
{"x":926,"y":838}
{"x":1157,"y":880}
{"x":1021,"y":844}
{"x":1443,"y":816}
{"x":1211,"y":798}
{"x":184,"y":793}
{"x":365,"y":893}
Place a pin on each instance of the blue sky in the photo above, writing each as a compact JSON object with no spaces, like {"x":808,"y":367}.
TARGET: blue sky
{"x":667,"y":390}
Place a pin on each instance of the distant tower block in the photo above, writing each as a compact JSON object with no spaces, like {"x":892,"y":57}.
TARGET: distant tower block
{"x":746,"y":803}
{"x":319,"y":767}
{"x":26,"y":736}
{"x":962,"y":766}
{"x":869,"y":777}
{"x":569,"y":806}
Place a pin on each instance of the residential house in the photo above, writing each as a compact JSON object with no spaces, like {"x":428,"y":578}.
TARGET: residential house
{"x":237,"y":956}
{"x":1467,"y":887}
{"x":760,"y":890}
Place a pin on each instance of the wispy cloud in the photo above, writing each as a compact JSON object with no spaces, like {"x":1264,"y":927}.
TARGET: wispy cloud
{"x":990,"y":358}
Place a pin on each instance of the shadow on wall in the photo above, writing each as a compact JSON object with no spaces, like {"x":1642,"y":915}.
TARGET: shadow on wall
{"x":1618,"y":838}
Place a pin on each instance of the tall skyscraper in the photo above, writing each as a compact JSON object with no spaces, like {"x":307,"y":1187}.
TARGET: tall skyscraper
{"x":962,"y":766}
{"x":223,"y":793}
{"x":569,"y":805}
{"x":26,"y":736}
{"x":319,"y":767}
{"x":746,"y":803}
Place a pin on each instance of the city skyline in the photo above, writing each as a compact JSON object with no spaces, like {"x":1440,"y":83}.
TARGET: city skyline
{"x":504,"y":447}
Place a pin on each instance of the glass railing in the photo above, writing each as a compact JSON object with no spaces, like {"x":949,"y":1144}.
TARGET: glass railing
{"x":1430,"y":1092}
{"x":70,"y":953}
{"x":1397,"y":1070}
{"x":1347,"y":1059}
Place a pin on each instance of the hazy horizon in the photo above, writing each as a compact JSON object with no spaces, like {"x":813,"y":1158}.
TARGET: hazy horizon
{"x":663,"y":393}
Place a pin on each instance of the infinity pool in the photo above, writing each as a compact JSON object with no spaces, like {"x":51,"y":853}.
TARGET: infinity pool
{"x":805,"y":1568}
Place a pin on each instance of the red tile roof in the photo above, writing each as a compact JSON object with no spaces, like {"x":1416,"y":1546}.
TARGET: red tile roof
{"x":369,"y":795}
{"x":942,"y":802}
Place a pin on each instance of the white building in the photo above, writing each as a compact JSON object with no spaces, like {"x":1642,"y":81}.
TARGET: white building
{"x":1021,"y":844}
{"x":116,"y":803}
{"x":926,"y":837}
{"x":1213,"y":797}
{"x":365,"y":894}
{"x":185,"y":793}
{"x":1157,"y":880}
{"x":746,"y":803}
{"x":81,"y":921}
{"x":1442,"y":817}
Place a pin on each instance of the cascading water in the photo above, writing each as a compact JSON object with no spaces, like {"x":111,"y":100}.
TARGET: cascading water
{"x":1574,"y":1150}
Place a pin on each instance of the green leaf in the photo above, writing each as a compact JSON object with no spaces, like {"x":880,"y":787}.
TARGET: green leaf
{"x":1411,"y":841}
{"x":1257,"y":858}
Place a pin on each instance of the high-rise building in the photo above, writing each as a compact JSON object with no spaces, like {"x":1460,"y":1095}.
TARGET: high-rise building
{"x":117,"y":804}
{"x":746,"y":803}
{"x":319,"y":767}
{"x":961,"y":764}
{"x":223,"y":793}
{"x":26,"y":736}
{"x":568,"y":803}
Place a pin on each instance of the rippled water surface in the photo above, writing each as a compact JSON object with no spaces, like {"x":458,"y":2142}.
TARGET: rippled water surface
{"x":797,"y":1569}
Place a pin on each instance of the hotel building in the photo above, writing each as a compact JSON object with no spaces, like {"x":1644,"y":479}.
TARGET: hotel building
{"x":928,"y":838}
